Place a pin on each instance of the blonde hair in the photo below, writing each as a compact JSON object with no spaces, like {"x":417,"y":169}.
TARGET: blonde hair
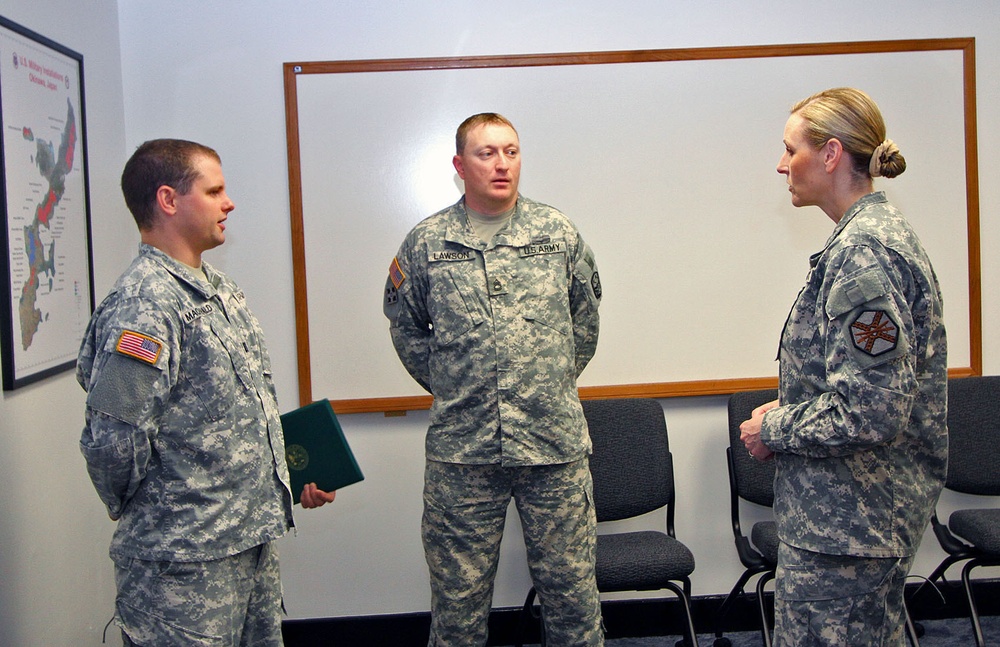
{"x":853,"y":118}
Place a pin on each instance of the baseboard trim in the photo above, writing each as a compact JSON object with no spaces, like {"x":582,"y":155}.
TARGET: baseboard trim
{"x":622,"y":619}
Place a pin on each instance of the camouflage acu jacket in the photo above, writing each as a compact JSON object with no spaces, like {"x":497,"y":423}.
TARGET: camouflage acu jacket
{"x":861,"y":436}
{"x":498,"y":334}
{"x":182,"y":439}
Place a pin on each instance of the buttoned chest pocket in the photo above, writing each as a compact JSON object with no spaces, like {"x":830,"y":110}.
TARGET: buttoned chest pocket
{"x":209,"y":380}
{"x":453,"y":304}
{"x":543,"y":282}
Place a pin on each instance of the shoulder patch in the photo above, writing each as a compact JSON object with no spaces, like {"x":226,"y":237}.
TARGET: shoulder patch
{"x":396,"y":273}
{"x":139,"y":346}
{"x":874,"y":332}
{"x":856,"y":290}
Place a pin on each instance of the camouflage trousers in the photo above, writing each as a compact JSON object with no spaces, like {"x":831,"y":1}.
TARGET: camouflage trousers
{"x":228,"y":602}
{"x":839,"y":600}
{"x":465,"y":507}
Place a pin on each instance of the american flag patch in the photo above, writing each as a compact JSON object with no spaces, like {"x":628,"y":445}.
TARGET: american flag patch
{"x":139,"y":346}
{"x":396,"y":273}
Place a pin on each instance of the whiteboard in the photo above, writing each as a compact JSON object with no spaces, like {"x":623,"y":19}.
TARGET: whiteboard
{"x":665,"y":161}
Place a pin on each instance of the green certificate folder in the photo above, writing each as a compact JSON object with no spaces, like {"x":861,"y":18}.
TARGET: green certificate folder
{"x":316,"y":450}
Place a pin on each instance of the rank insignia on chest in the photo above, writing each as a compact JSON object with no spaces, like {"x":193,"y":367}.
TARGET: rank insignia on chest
{"x":874,"y":332}
{"x":496,"y":286}
{"x":139,"y":346}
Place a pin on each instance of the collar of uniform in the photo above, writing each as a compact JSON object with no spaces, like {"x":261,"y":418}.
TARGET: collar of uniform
{"x":876,"y":197}
{"x":516,"y":234}
{"x":518,"y":231}
{"x":863,"y":203}
{"x":458,"y":229}
{"x":182,"y":271}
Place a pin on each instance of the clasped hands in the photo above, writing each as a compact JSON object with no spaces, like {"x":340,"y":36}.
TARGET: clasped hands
{"x":750,"y":432}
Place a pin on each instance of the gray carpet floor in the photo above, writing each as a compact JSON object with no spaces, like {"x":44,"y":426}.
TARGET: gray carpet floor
{"x":937,"y":633}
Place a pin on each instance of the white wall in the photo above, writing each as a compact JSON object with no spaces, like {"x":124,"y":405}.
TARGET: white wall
{"x":212,"y":72}
{"x":56,"y":579}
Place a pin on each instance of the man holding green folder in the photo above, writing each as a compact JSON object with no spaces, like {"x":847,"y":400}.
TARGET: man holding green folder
{"x":493,"y":309}
{"x":183,"y":440}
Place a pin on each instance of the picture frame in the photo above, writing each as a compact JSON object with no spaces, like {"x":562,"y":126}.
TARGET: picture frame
{"x":47,"y":274}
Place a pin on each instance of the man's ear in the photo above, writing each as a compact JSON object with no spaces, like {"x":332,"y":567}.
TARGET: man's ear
{"x":166,"y":199}
{"x":833,"y":152}
{"x":459,"y":168}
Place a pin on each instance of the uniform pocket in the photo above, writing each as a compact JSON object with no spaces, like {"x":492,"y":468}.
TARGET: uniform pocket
{"x":548,"y":323}
{"x":145,"y":628}
{"x":452,"y":307}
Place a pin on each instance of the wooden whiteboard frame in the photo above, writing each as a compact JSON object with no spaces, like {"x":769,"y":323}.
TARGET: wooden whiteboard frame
{"x":292,"y":71}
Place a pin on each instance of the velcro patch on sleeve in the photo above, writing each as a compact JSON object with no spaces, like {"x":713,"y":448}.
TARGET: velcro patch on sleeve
{"x":142,"y":347}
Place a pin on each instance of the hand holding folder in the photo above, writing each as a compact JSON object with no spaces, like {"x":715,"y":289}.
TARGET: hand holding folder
{"x":316,"y":450}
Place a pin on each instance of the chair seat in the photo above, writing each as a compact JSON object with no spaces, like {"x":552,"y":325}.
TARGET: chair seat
{"x":980,"y":527}
{"x":637,"y":561}
{"x":764,"y":536}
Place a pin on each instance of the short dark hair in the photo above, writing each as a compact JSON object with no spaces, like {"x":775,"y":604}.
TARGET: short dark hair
{"x":156,"y":163}
{"x":481,"y":119}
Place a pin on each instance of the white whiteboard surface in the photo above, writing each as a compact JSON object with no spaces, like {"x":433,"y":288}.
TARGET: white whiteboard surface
{"x":668,"y":170}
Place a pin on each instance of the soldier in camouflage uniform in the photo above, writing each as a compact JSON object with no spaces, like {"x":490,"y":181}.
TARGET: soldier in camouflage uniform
{"x":182,"y":439}
{"x":493,"y":309}
{"x":859,"y":432}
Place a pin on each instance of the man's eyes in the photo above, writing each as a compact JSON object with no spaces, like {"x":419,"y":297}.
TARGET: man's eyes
{"x":511,"y":152}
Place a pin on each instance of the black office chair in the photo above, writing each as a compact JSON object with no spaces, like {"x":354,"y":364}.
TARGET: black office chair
{"x":633,"y":475}
{"x":972,"y":535}
{"x":752,"y":481}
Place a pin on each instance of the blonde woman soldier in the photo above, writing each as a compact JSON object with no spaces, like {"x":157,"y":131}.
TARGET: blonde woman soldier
{"x":859,"y":433}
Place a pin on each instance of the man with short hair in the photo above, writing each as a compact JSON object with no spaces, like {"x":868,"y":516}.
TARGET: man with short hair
{"x":493,"y":309}
{"x":183,"y":440}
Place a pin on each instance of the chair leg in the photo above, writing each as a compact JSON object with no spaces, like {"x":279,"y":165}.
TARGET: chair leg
{"x":691,"y":638}
{"x":723,"y":610}
{"x":911,"y":630}
{"x":765,"y":622}
{"x":938,"y":572}
{"x":977,"y":629}
{"x":527,"y":613}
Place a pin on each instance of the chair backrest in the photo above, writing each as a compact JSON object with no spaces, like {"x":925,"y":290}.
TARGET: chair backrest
{"x":974,"y":435}
{"x":754,"y":479}
{"x":631,"y":464}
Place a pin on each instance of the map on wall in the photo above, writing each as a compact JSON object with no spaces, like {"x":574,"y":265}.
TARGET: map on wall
{"x":46,"y":226}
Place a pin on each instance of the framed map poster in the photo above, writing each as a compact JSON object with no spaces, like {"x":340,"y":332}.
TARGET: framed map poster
{"x":48,"y":285}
